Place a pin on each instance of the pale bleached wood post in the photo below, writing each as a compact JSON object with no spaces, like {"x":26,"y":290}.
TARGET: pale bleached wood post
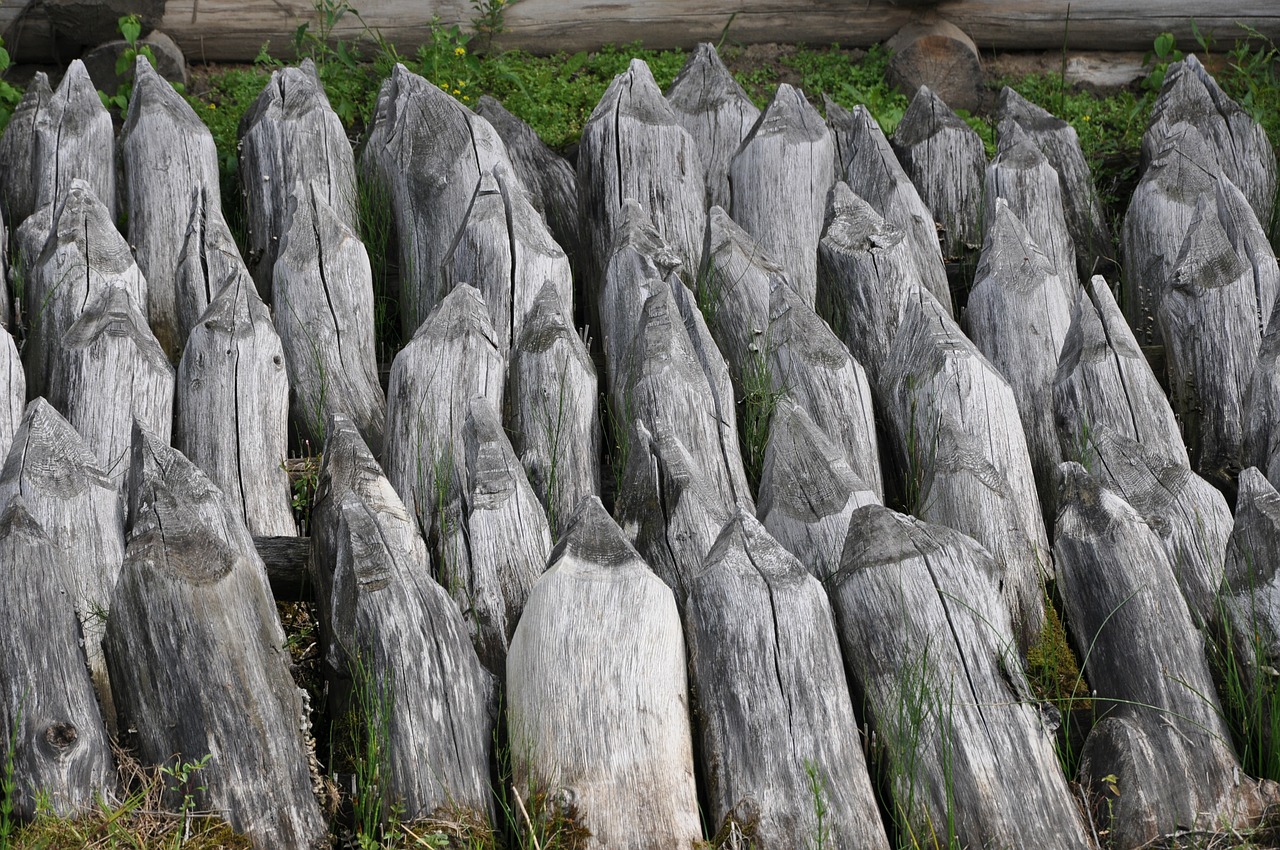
{"x":775,"y":715}
{"x":324,"y":313}
{"x":621,"y":754}
{"x":208,"y":261}
{"x":1262,"y":406}
{"x":1163,"y":740}
{"x":390,"y":631}
{"x":18,"y":151}
{"x":66,"y":491}
{"x":716,"y":111}
{"x":232,"y":408}
{"x":167,"y":153}
{"x":74,"y":140}
{"x":13,"y":390}
{"x":56,"y":749}
{"x":778,"y":183}
{"x":930,"y":648}
{"x":197,"y":657}
{"x":867,"y":163}
{"x":946,"y":160}
{"x":292,"y":143}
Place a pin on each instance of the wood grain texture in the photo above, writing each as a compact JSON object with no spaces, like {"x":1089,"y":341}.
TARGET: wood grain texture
{"x":167,"y":154}
{"x":960,"y":442}
{"x":1208,"y":318}
{"x":1156,"y":222}
{"x":197,"y":655}
{"x":718,"y":114}
{"x":634,"y":148}
{"x":1262,"y":406}
{"x":778,"y":184}
{"x":208,"y":261}
{"x":1236,"y":142}
{"x":930,"y":648}
{"x":1058,"y":141}
{"x":232,"y":408}
{"x":66,"y":492}
{"x":429,"y":151}
{"x":808,"y":491}
{"x":865,"y":277}
{"x":553,"y":409}
{"x":1188,"y":514}
{"x":552,"y":183}
{"x":771,"y":697}
{"x":390,"y":628}
{"x":13,"y":390}
{"x":946,"y":161}
{"x":811,"y":366}
{"x":226,"y":30}
{"x":1162,"y":738}
{"x":867,"y":163}
{"x":57,"y":750}
{"x":621,"y":753}
{"x":1023,"y":177}
{"x":503,"y":248}
{"x":292,"y":143}
{"x":324,"y":313}
{"x":1103,"y":380}
{"x":74,"y":140}
{"x":83,"y":257}
{"x":18,"y":151}
{"x":453,"y":357}
{"x":1018,"y":315}
{"x":110,"y":372}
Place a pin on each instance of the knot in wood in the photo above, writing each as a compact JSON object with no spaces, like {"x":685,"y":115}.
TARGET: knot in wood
{"x":61,"y":736}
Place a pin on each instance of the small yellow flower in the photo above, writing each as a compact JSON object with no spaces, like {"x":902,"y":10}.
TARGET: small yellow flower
{"x":1087,"y":118}
{"x":457,"y":91}
{"x":213,"y":106}
{"x":462,"y":84}
{"x":459,"y":51}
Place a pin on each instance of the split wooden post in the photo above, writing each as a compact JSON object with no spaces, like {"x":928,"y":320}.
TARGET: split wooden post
{"x":74,"y":140}
{"x":18,"y":151}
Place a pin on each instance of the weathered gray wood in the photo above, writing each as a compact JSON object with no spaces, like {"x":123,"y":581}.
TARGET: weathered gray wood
{"x":74,"y":140}
{"x":1249,"y":607}
{"x":492,"y":556}
{"x":865,"y":277}
{"x":1156,"y":222}
{"x":778,"y":183}
{"x":287,"y":560}
{"x":549,"y":179}
{"x":621,"y":754}
{"x":6,"y":305}
{"x":13,"y":390}
{"x":946,"y":161}
{"x":1249,"y":239}
{"x":209,"y":261}
{"x":772,"y":700}
{"x":808,"y":491}
{"x":670,"y":509}
{"x":1103,"y":380}
{"x":430,"y":152}
{"x":504,"y":249}
{"x":1023,"y":177}
{"x":1162,"y":740}
{"x":964,"y":456}
{"x":109,"y":372}
{"x":633,"y":147}
{"x":193,"y":609}
{"x":388,"y":624}
{"x":1262,"y":406}
{"x":232,"y":408}
{"x":56,"y":751}
{"x":553,"y":409}
{"x":167,"y":153}
{"x":809,"y":364}
{"x":1208,"y":317}
{"x":28,"y":240}
{"x":324,"y":312}
{"x":453,"y":357}
{"x":83,"y":257}
{"x":1058,"y":141}
{"x":18,"y":151}
{"x":67,"y":493}
{"x":1018,"y":316}
{"x":867,"y":163}
{"x":292,"y":143}
{"x":1236,"y":142}
{"x":1188,"y":514}
{"x":718,"y":114}
{"x":929,"y":645}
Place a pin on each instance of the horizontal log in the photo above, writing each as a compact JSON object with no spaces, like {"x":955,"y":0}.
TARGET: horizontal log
{"x":223,"y":30}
